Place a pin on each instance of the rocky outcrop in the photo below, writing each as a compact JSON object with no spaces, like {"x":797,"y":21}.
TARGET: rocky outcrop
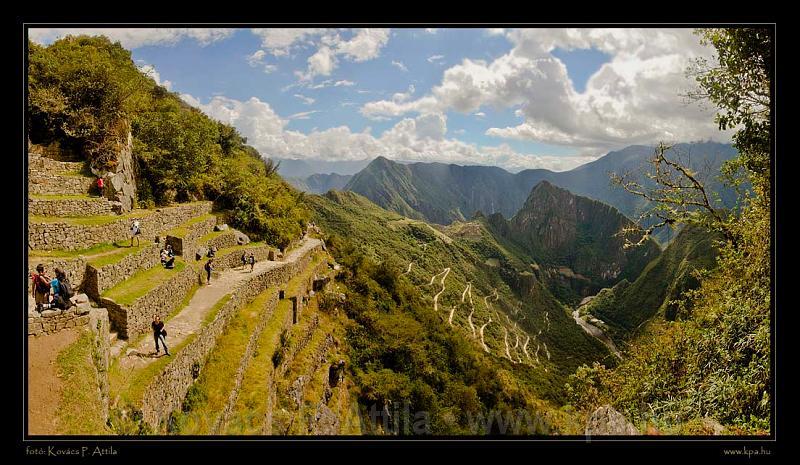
{"x":605,"y":421}
{"x":120,"y":182}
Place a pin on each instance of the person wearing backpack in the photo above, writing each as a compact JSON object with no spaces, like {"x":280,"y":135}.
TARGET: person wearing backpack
{"x":244,"y":259}
{"x":136,"y":230}
{"x":62,"y":291}
{"x":209,"y":268}
{"x":40,"y":288}
{"x":252,"y":260}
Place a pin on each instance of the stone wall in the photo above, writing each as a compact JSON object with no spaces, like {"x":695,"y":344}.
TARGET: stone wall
{"x":229,"y":238}
{"x":66,"y":236}
{"x":99,"y":325}
{"x":49,"y":184}
{"x":133,"y":320}
{"x":53,"y":151}
{"x":233,"y":260}
{"x":252,"y":344}
{"x":165,"y":394}
{"x":53,"y":321}
{"x":72,"y":207}
{"x":98,"y":279}
{"x":49,"y":165}
{"x":188,"y":242}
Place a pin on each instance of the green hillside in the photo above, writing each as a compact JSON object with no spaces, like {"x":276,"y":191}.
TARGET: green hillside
{"x":659,"y":287}
{"x":473,"y":256}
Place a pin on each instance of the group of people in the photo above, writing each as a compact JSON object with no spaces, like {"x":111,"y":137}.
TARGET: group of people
{"x":248,"y":259}
{"x":167,"y":257}
{"x":51,"y":293}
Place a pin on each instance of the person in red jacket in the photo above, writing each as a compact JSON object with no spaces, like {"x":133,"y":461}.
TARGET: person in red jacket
{"x":100,"y":185}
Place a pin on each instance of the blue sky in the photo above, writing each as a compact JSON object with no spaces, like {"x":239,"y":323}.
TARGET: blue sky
{"x":514,"y":98}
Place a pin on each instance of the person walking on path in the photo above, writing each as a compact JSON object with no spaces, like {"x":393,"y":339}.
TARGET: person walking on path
{"x":40,"y":288}
{"x":252,"y":260}
{"x":159,"y":333}
{"x":136,"y":230}
{"x":244,"y":259}
{"x":209,"y":268}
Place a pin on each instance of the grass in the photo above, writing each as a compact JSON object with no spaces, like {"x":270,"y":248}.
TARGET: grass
{"x":251,"y":404}
{"x":91,"y":220}
{"x":94,"y":250}
{"x":219,"y":372}
{"x":63,"y":197}
{"x":80,"y":409}
{"x":211,"y":235}
{"x":123,"y":250}
{"x":130,"y":386}
{"x":126,"y":292}
{"x":183,"y":229}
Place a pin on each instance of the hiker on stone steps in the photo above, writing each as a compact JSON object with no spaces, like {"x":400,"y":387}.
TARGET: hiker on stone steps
{"x":159,"y":333}
{"x":40,"y":288}
{"x":209,"y":268}
{"x":136,"y":230}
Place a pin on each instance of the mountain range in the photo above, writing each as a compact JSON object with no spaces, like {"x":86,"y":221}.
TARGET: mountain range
{"x":443,"y":193}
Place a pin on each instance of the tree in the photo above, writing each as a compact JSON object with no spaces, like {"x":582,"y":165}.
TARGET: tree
{"x":739,"y":85}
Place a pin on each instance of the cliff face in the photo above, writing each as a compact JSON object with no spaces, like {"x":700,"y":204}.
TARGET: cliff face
{"x":576,"y":236}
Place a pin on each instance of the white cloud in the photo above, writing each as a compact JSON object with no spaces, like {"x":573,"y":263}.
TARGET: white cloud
{"x":257,"y":59}
{"x":363,"y":45}
{"x":131,"y":38}
{"x":435,"y":58}
{"x":431,"y":30}
{"x":399,"y":65}
{"x":411,"y":139}
{"x":306,"y":100}
{"x":495,"y":31}
{"x":279,"y":41}
{"x":634,"y":98}
{"x":150,"y":70}
{"x":303,"y":114}
{"x":344,"y":82}
{"x":479,"y":114}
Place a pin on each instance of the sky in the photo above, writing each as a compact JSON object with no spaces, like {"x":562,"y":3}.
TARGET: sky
{"x":515,"y":98}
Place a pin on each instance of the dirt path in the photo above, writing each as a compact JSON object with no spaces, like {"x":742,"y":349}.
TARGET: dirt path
{"x":505,"y":339}
{"x":44,"y":383}
{"x":190,"y":319}
{"x":483,"y":343}
{"x":516,"y":346}
{"x":436,"y":297}
{"x":472,"y":308}
{"x":525,"y":347}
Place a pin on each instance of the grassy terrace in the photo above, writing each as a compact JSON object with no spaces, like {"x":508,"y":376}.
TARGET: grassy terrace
{"x":181,"y":230}
{"x":130,"y":385}
{"x":63,"y":197}
{"x":218,"y":375}
{"x":126,"y":292}
{"x":91,"y":220}
{"x":94,"y":250}
{"x":80,"y":410}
